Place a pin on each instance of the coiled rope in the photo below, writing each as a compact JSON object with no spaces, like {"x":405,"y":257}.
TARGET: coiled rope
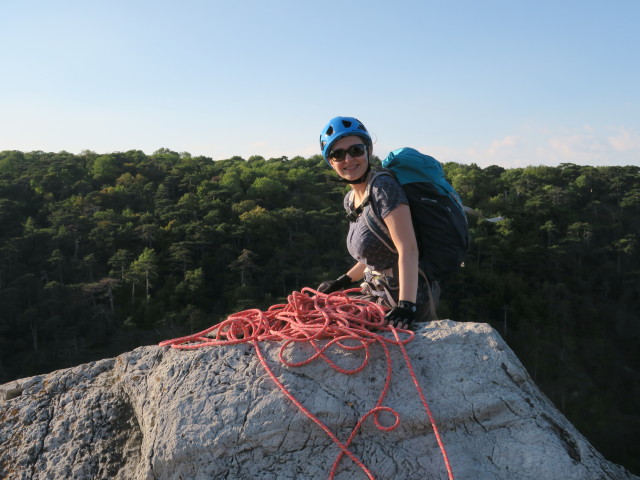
{"x":323,"y":321}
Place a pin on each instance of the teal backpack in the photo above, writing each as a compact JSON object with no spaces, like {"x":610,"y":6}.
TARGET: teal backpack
{"x":439,"y":217}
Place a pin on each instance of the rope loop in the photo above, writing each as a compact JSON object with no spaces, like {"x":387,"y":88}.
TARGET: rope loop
{"x":325,"y":322}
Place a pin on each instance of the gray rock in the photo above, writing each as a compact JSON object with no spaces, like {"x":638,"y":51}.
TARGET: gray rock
{"x":161,"y":413}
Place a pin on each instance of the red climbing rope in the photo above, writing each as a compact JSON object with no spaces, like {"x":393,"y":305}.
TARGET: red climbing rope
{"x":323,"y":321}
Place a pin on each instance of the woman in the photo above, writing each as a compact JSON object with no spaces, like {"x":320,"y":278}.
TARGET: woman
{"x":391,"y":279}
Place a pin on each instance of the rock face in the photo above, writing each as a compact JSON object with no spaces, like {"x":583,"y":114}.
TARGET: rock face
{"x":160,"y":413}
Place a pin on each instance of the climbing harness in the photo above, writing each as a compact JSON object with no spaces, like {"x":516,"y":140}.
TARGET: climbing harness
{"x":336,"y":320}
{"x":378,"y":284}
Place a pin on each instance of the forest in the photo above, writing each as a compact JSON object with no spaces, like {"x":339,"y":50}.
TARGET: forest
{"x":101,"y":253}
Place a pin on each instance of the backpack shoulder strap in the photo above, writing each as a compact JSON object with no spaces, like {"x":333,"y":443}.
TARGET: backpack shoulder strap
{"x":379,"y":229}
{"x":375,"y":223}
{"x":355,"y":213}
{"x":372,"y":178}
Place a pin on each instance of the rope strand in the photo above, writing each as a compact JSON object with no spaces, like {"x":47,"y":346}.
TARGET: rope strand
{"x":322,"y":321}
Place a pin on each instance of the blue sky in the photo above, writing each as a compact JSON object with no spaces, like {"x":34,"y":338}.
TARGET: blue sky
{"x":510,"y":83}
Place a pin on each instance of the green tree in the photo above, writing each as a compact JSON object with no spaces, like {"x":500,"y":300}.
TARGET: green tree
{"x":549,"y":228}
{"x":625,"y":246}
{"x":144,"y":270}
{"x":105,"y":168}
{"x":245,"y":265}
{"x":120,"y":262}
{"x":192,"y":288}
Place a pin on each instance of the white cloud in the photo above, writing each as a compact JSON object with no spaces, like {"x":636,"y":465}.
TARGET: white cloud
{"x":577,"y":146}
{"x":498,"y":147}
{"x":590,"y":146}
{"x":506,"y":151}
{"x":625,"y":141}
{"x":585,"y":145}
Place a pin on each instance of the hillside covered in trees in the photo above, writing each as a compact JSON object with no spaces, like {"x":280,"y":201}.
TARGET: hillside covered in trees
{"x":102,"y":253}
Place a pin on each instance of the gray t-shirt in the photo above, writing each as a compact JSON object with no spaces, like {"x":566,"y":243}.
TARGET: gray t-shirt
{"x":385,"y":195}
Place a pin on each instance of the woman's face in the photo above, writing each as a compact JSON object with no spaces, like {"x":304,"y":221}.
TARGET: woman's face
{"x":351,"y":168}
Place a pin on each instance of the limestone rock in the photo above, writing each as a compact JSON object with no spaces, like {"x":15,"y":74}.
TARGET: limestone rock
{"x":160,"y":413}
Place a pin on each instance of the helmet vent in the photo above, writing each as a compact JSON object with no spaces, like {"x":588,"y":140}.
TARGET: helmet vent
{"x":346,"y":123}
{"x":329,"y":130}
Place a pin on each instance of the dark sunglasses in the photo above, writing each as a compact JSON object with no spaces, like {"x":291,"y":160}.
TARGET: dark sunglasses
{"x":354,"y":150}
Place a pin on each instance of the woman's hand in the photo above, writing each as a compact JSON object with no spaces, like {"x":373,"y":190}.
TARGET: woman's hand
{"x":331,"y":286}
{"x":402,"y":316}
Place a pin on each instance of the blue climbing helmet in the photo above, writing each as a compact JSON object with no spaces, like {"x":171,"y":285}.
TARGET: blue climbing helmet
{"x":339,"y":127}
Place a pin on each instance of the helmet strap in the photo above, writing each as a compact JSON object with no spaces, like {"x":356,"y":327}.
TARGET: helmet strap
{"x":357,"y":181}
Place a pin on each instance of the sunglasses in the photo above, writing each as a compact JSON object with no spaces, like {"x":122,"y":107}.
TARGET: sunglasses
{"x":354,"y":150}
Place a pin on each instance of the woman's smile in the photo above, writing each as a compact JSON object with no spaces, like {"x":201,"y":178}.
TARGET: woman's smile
{"x":351,"y":168}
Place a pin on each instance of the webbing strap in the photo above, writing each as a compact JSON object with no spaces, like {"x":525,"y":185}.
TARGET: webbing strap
{"x":475,"y":213}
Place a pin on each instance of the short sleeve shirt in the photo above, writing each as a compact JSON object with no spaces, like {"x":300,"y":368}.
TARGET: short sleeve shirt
{"x":385,"y":195}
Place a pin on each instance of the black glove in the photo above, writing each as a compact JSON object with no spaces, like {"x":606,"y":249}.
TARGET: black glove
{"x":334,"y":285}
{"x":403,"y":315}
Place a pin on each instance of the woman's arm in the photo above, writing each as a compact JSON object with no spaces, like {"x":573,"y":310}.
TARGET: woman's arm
{"x":357,"y":272}
{"x":404,"y":238}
